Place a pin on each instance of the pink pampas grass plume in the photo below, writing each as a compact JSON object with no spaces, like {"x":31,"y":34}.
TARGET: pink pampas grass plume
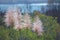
{"x":13,"y":17}
{"x":17,"y":19}
{"x":37,"y":26}
{"x":27,"y":21}
{"x":8,"y":17}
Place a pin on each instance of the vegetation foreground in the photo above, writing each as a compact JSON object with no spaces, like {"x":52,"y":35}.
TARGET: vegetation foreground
{"x":50,"y":25}
{"x":51,"y":28}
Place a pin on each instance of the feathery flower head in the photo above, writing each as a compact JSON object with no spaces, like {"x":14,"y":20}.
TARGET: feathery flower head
{"x":37,"y":26}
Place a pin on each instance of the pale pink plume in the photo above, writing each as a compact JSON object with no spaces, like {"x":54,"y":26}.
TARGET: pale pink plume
{"x":37,"y":26}
{"x":8,"y":17}
{"x":17,"y":19}
{"x":27,"y":21}
{"x":13,"y":16}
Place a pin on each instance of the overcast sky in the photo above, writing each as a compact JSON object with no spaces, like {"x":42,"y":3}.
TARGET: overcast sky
{"x":21,"y":1}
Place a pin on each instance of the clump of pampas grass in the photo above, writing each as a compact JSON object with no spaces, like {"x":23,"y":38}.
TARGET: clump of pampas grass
{"x":37,"y":26}
{"x":17,"y":19}
{"x":8,"y":17}
{"x":14,"y":17}
{"x":27,"y":21}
